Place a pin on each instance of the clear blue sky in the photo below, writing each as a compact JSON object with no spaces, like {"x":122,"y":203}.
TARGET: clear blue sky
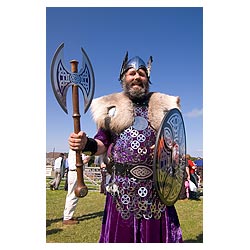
{"x":173,"y":36}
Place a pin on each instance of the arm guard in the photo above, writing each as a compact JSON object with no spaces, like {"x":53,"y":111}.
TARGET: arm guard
{"x":91,"y":146}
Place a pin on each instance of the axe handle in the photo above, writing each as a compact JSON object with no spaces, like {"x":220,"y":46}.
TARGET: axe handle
{"x":81,"y":189}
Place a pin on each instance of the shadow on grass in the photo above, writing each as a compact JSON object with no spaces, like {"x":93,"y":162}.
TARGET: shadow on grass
{"x":90,"y":216}
{"x":53,"y":231}
{"x":80,"y":218}
{"x":199,"y":239}
{"x":49,"y":222}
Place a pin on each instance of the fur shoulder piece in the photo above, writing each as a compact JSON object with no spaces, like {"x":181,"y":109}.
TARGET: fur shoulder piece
{"x":113,"y":112}
{"x":159,"y":104}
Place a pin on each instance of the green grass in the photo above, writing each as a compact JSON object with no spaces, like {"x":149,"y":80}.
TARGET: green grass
{"x":89,"y":212}
{"x":190,"y":213}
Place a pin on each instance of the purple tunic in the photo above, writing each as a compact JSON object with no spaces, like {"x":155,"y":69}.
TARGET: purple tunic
{"x":133,"y":211}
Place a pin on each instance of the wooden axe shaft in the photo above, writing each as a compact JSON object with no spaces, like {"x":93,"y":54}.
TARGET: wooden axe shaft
{"x":81,"y":188}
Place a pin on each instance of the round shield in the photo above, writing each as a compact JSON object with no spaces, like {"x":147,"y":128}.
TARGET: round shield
{"x":170,"y":157}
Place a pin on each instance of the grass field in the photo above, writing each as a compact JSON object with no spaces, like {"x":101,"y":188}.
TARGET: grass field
{"x":89,"y":212}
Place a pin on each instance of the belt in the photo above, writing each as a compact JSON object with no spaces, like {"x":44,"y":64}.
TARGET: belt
{"x":141,"y":172}
{"x":72,"y":170}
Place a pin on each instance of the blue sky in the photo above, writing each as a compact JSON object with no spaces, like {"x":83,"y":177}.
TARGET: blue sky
{"x":173,"y":36}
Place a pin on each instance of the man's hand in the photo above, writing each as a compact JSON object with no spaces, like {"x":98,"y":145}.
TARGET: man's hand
{"x":77,"y":141}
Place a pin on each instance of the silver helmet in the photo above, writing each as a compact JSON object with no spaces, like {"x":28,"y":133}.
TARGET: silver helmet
{"x":136,"y":63}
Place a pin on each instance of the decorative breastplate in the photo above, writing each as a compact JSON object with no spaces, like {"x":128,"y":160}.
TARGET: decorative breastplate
{"x":134,"y":144}
{"x":135,"y":196}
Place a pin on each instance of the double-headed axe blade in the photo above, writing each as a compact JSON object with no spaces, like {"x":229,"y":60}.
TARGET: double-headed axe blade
{"x":62,"y":79}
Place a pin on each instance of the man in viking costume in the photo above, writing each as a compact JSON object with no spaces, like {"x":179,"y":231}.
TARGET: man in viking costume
{"x":127,"y":127}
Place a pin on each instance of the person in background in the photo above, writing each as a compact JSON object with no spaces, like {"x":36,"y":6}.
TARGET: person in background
{"x":192,"y":168}
{"x":99,"y":163}
{"x":184,"y":194}
{"x":71,"y":199}
{"x":193,"y":185}
{"x":104,"y":173}
{"x":59,"y":168}
{"x":66,"y":174}
{"x":198,"y":178}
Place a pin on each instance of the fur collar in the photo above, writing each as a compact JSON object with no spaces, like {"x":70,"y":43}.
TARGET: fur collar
{"x":115,"y":112}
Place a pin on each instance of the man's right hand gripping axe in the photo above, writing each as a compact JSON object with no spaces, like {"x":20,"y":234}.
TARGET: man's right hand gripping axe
{"x":61,"y":80}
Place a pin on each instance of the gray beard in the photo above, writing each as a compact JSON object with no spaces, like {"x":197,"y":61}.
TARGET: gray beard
{"x":135,"y":94}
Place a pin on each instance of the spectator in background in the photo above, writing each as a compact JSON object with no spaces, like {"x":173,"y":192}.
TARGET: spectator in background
{"x":192,"y":167}
{"x":184,"y":194}
{"x":198,"y":178}
{"x":59,"y":168}
{"x":105,"y":175}
{"x":71,"y":199}
{"x":193,"y":178}
{"x":66,"y":174}
{"x":186,"y":184}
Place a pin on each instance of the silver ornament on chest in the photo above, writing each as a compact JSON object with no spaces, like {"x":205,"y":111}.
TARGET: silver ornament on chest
{"x":140,"y":123}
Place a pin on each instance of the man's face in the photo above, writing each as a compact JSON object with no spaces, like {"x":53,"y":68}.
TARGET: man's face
{"x":135,"y":83}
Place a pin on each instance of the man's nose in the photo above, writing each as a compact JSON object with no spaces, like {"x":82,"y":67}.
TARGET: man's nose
{"x":137,"y":75}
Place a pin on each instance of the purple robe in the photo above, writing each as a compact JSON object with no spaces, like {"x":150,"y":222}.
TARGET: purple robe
{"x":135,"y":213}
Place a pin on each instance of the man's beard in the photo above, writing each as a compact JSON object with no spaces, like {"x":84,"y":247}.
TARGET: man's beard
{"x":135,"y":94}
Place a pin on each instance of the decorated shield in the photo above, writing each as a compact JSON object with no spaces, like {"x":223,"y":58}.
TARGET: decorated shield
{"x":169,"y":157}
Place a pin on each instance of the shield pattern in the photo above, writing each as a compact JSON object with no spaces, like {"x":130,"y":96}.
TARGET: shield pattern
{"x":169,"y":157}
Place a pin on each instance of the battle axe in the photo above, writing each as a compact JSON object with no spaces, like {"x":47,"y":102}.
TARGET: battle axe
{"x":61,"y":80}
